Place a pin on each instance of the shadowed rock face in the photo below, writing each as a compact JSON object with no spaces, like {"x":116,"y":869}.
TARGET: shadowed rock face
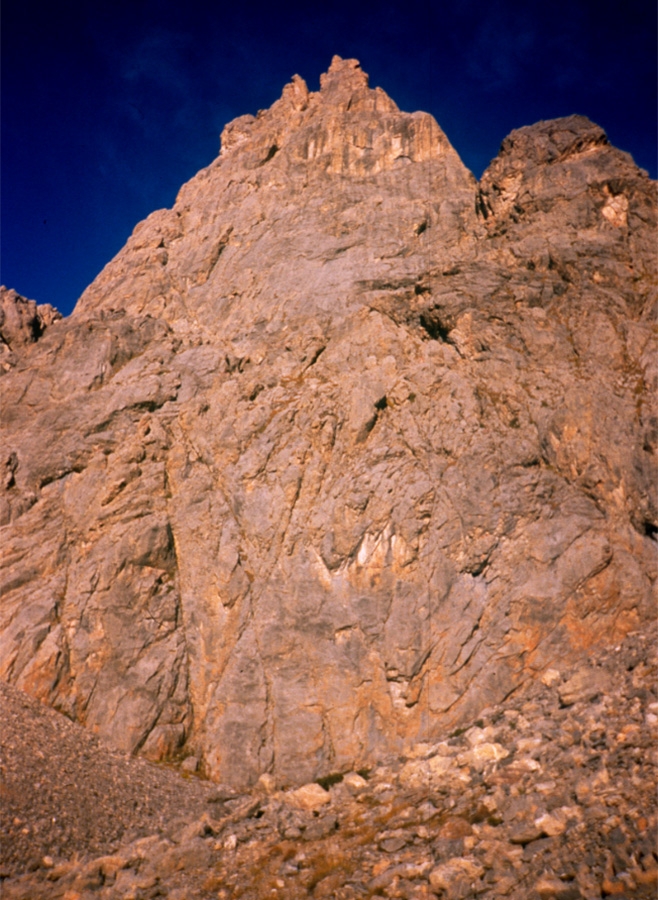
{"x":341,"y":449}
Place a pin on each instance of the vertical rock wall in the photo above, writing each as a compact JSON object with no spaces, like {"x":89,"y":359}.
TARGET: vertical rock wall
{"x":341,"y":449}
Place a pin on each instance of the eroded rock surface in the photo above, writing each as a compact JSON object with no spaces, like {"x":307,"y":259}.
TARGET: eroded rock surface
{"x":342,"y":448}
{"x":22,"y":322}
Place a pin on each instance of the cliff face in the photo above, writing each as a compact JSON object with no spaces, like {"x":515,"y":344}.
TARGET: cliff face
{"x":341,"y":449}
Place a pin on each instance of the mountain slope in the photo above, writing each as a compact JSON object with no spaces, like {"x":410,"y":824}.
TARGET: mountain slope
{"x":343,"y":448}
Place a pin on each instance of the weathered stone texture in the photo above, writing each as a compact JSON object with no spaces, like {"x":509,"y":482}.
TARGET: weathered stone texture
{"x":21,"y":322}
{"x":341,"y":449}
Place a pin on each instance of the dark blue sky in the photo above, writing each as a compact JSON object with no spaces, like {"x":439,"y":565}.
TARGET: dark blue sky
{"x":109,"y":106}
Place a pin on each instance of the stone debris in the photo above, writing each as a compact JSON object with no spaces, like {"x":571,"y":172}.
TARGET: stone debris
{"x":309,"y":797}
{"x":567,"y":813}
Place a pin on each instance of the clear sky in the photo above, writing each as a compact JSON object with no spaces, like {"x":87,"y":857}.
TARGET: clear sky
{"x":109,"y":106}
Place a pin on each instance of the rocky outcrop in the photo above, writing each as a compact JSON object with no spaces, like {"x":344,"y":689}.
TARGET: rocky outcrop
{"x":341,"y":449}
{"x":21,"y":322}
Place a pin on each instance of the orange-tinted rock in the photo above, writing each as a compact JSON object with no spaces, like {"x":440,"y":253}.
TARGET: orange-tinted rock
{"x":341,"y":449}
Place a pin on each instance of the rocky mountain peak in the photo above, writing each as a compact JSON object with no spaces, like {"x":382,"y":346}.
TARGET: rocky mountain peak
{"x":345,"y":128}
{"x":343,"y":75}
{"x":553,"y":141}
{"x":343,"y":448}
{"x":347,"y":151}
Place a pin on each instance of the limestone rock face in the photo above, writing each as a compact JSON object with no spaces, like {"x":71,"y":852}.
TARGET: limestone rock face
{"x":341,"y":449}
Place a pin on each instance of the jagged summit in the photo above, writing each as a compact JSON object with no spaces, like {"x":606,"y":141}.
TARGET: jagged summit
{"x":345,"y":128}
{"x":343,"y":75}
{"x":321,"y":465}
{"x":342,"y":155}
{"x":343,"y":88}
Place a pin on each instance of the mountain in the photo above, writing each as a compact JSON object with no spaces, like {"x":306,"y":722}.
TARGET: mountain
{"x":342,"y":449}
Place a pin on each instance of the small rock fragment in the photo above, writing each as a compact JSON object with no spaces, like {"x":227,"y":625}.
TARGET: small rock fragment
{"x":585,"y":685}
{"x":309,"y":796}
{"x":550,"y":677}
{"x":392,"y":844}
{"x":267,"y":782}
{"x":456,"y":877}
{"x":231,"y":842}
{"x":549,"y":887}
{"x":551,"y":825}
